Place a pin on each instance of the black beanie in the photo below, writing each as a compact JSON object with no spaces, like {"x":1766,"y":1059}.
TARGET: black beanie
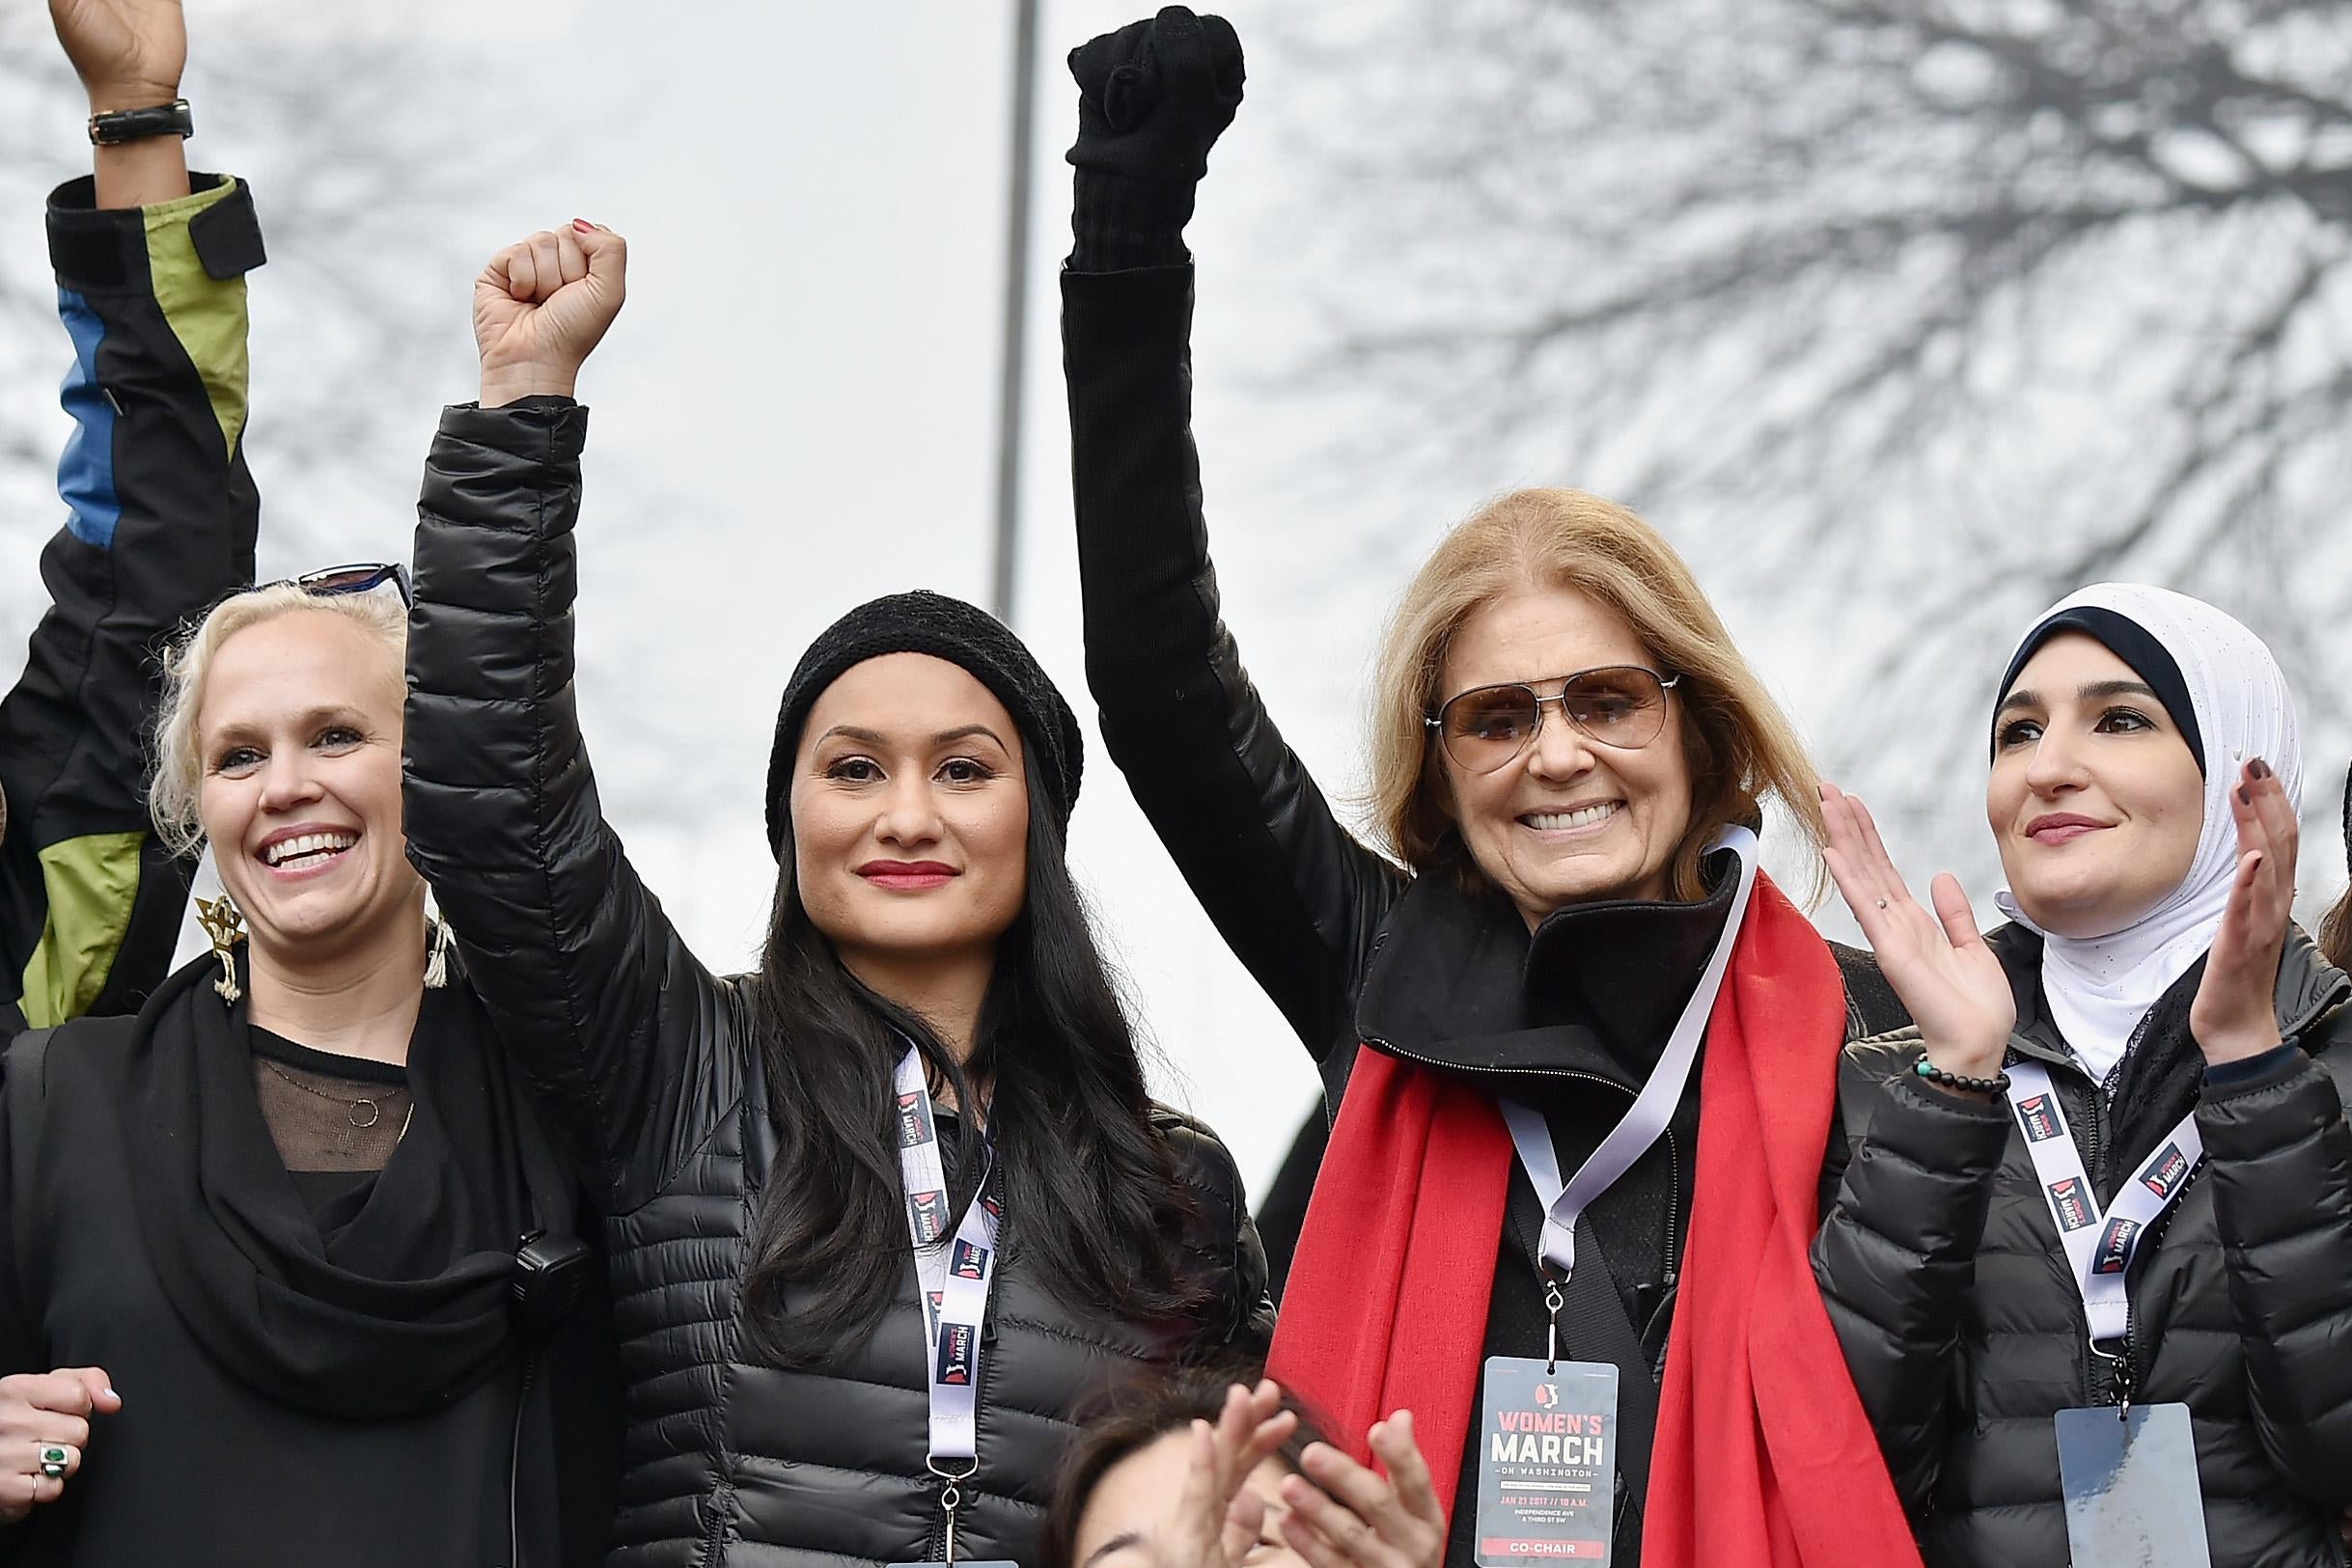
{"x":967,"y":637}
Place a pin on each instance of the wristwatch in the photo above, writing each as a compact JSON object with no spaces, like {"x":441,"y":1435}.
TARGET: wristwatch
{"x":120,"y":126}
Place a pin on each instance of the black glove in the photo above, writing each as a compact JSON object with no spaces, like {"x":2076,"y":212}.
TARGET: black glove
{"x":1152,"y":100}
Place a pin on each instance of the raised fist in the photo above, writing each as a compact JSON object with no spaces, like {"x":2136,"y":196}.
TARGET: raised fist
{"x":543,"y":305}
{"x":1153,"y":96}
{"x":128,"y":53}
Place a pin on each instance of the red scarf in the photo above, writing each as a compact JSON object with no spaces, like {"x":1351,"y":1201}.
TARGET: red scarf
{"x":1764,"y":1458}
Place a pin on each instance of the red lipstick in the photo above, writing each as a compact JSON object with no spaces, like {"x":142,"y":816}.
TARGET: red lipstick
{"x":908,"y":876}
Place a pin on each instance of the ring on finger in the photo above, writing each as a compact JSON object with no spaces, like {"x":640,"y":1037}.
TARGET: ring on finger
{"x":53,"y":1462}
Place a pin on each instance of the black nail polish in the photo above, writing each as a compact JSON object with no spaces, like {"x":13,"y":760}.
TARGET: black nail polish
{"x":2258,"y":768}
{"x":2244,"y":799}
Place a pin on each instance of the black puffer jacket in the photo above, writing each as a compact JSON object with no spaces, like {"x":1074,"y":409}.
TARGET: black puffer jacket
{"x":1357,"y":954}
{"x":1951,"y":1295}
{"x":727,"y":1460}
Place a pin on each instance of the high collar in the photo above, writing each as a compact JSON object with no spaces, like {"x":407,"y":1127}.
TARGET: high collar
{"x":1460,"y":984}
{"x":2308,"y":985}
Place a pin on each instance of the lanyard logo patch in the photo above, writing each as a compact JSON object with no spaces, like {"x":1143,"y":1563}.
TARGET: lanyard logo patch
{"x":2071,"y":1203}
{"x":969,"y":1262}
{"x":914,"y":1119}
{"x":955,"y":1354}
{"x":2163,"y":1175}
{"x":2039,"y":1115}
{"x":929,"y":1213}
{"x":2114,"y":1254}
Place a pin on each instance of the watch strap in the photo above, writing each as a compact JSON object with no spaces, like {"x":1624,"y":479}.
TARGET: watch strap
{"x":119,"y":125}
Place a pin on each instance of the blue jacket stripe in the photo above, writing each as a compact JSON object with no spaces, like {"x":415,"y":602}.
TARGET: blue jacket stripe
{"x":85,"y":473}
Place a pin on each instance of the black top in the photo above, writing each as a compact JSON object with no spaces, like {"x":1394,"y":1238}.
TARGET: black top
{"x":335,"y":1120}
{"x":203,"y":1468}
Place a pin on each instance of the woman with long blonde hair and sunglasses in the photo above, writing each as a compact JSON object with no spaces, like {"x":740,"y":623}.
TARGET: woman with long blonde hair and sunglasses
{"x":1516,"y":995}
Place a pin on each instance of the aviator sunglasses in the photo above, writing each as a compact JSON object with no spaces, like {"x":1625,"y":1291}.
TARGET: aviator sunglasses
{"x":1620,"y":705}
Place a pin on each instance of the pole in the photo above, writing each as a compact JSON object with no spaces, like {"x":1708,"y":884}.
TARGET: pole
{"x":1016,"y":311}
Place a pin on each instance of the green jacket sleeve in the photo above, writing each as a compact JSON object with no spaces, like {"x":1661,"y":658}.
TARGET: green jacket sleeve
{"x":161,"y":523}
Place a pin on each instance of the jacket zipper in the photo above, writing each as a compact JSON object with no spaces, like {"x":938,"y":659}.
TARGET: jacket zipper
{"x":721,"y":1494}
{"x":935,"y":1543}
{"x":2119,"y":1381}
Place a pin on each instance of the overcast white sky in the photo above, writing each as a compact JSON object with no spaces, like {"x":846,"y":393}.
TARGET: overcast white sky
{"x":797,"y":411}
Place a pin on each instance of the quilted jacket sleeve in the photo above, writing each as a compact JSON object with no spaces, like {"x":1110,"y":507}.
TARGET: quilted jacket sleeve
{"x":589,"y":983}
{"x":1293,"y":895}
{"x":1222,"y":1248}
{"x":2280,"y":1159}
{"x":1896,"y":1256}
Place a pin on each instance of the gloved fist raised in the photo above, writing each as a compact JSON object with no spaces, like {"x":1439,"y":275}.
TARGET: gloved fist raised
{"x":1154,"y":95}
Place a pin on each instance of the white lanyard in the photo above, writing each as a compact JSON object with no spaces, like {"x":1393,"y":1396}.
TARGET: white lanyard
{"x":953,"y":1272}
{"x":1653,"y":1108}
{"x":2099,"y":1242}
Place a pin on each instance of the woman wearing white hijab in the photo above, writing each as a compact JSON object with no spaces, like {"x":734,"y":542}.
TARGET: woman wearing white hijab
{"x":2091,"y":1258}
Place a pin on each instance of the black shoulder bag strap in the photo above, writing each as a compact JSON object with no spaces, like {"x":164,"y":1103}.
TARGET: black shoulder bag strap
{"x":1594,"y":1328}
{"x":27,"y":1093}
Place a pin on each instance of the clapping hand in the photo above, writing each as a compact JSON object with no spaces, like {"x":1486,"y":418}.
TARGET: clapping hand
{"x":543,"y":305}
{"x":1343,"y":1515}
{"x":2235,"y":1012}
{"x":1949,"y":981}
{"x":1218,"y":1517}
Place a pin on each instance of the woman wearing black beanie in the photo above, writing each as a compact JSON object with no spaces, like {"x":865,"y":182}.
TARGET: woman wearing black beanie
{"x":884,"y":1213}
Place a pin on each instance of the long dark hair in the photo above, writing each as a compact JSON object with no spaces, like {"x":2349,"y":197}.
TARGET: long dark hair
{"x":1092,"y":1200}
{"x":1134,"y":1416}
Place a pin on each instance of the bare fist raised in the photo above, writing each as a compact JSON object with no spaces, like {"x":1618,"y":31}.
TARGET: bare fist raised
{"x":128,"y":53}
{"x":543,"y":305}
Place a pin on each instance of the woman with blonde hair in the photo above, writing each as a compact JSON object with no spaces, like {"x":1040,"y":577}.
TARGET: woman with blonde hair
{"x":292,"y":1241}
{"x":1532,"y":1223}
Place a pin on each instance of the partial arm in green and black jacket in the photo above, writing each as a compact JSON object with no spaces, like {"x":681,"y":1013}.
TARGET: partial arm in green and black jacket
{"x":160,"y":524}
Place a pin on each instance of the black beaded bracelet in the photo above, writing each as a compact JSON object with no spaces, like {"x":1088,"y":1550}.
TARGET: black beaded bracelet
{"x":1996,"y":1085}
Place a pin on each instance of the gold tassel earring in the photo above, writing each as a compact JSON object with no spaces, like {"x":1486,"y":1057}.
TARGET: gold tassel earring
{"x":222,"y":923}
{"x":436,"y":961}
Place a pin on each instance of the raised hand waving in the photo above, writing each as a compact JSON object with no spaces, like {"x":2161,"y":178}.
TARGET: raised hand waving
{"x":1950,"y":981}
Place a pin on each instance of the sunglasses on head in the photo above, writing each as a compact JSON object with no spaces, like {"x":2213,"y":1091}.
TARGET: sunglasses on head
{"x":359,"y":577}
{"x":1620,"y":705}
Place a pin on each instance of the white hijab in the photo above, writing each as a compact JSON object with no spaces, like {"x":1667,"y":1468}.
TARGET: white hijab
{"x":2100,"y":987}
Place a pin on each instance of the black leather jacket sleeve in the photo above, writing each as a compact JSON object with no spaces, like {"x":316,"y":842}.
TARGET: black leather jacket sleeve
{"x":630,"y":1039}
{"x":1896,"y":1256}
{"x":2280,"y":1156}
{"x":1296,"y":896}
